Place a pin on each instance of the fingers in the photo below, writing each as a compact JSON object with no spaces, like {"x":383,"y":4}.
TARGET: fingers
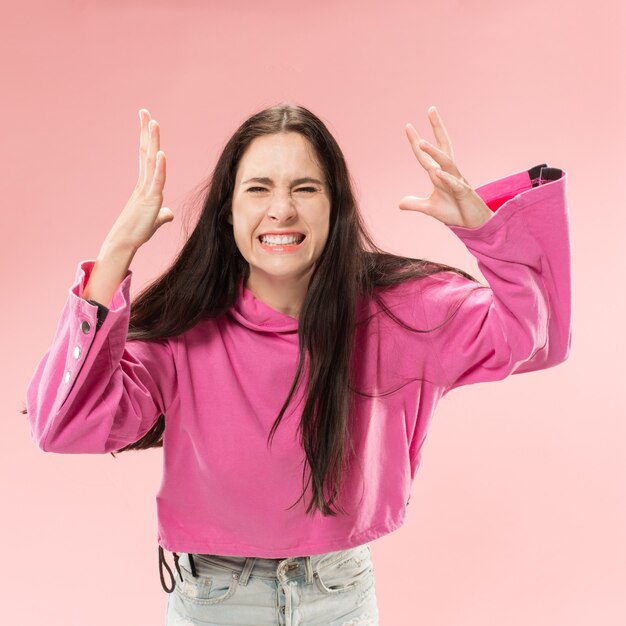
{"x":423,"y":157}
{"x":144,"y":118}
{"x":452,"y":183}
{"x":149,"y":146}
{"x":440,"y":132}
{"x":431,"y":158}
{"x":439,"y":157}
{"x":158,"y":180}
{"x":153,"y":132}
{"x":152,"y":169}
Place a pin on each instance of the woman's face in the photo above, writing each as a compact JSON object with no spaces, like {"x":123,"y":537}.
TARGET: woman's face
{"x":280,"y":201}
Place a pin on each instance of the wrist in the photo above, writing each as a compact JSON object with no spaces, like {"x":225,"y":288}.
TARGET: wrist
{"x":116,"y":249}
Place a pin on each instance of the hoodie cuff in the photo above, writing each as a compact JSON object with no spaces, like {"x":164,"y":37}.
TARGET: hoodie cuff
{"x":101,"y":314}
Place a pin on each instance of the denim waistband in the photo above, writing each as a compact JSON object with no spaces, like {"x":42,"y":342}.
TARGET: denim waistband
{"x":284,"y":568}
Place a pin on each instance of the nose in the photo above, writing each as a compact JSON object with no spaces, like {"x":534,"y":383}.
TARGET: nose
{"x":282,"y":207}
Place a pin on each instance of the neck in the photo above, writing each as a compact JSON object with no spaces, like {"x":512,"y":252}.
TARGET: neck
{"x":282,"y":294}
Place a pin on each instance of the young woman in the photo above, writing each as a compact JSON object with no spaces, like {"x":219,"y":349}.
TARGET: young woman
{"x":283,"y":344}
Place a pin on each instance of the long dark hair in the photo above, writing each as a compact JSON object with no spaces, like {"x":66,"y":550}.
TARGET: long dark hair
{"x":203,"y":281}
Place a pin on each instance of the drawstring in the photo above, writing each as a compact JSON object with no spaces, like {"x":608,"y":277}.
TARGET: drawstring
{"x":193,"y":566}
{"x":163,"y":562}
{"x":177,"y":566}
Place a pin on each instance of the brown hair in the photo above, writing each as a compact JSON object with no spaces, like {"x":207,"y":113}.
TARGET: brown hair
{"x":203,"y":281}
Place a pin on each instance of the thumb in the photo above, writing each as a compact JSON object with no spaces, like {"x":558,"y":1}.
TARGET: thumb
{"x":165,"y":215}
{"x":415,"y":203}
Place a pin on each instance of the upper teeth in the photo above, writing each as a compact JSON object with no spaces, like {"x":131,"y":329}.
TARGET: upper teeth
{"x":281,"y":238}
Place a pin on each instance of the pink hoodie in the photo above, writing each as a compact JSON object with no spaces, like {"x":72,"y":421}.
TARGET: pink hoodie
{"x":222,"y":383}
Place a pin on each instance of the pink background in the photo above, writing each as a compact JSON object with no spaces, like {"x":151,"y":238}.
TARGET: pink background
{"x":518,"y":511}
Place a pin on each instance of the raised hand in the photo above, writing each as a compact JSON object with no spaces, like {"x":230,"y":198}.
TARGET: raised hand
{"x":143,"y":214}
{"x":453,"y":201}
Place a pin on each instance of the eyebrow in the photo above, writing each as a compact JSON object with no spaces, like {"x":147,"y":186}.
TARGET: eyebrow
{"x":268,"y":181}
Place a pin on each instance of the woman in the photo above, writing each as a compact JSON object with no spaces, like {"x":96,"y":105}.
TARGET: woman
{"x":281,"y":310}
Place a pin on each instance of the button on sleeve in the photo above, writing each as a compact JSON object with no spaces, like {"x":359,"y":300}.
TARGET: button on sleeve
{"x":94,"y":391}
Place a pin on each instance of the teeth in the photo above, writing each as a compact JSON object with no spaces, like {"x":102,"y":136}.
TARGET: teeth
{"x":281,"y":239}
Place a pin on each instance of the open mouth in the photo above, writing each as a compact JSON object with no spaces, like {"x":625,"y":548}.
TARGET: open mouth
{"x":281,"y":243}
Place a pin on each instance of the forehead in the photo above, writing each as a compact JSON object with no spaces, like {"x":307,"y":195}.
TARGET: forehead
{"x":280,"y":154}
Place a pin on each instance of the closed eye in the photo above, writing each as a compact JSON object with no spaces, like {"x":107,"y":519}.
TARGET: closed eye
{"x":308,"y":189}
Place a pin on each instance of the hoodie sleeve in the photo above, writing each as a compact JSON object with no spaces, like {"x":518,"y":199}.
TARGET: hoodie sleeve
{"x":94,"y":391}
{"x":521,"y":321}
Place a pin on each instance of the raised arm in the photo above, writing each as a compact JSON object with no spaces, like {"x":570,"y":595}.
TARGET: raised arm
{"x":94,"y":391}
{"x":518,"y":229}
{"x":522,"y":320}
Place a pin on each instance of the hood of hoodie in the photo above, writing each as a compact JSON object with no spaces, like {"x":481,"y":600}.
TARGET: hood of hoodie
{"x":256,"y":315}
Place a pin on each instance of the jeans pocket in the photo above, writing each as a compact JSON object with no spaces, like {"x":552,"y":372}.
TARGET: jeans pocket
{"x":352,"y":569}
{"x":213,"y":586}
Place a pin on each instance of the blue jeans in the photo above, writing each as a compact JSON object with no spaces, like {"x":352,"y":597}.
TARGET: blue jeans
{"x":329,"y":589}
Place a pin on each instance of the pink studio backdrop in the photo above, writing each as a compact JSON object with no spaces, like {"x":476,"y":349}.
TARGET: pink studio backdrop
{"x":518,"y":511}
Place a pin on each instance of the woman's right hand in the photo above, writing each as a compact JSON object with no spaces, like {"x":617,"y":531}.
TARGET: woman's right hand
{"x":143,"y":214}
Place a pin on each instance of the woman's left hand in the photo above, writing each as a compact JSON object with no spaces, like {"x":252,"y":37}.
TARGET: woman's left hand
{"x":452,"y":201}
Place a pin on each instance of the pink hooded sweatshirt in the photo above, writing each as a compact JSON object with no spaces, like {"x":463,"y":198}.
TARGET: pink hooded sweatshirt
{"x":222,"y":383}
